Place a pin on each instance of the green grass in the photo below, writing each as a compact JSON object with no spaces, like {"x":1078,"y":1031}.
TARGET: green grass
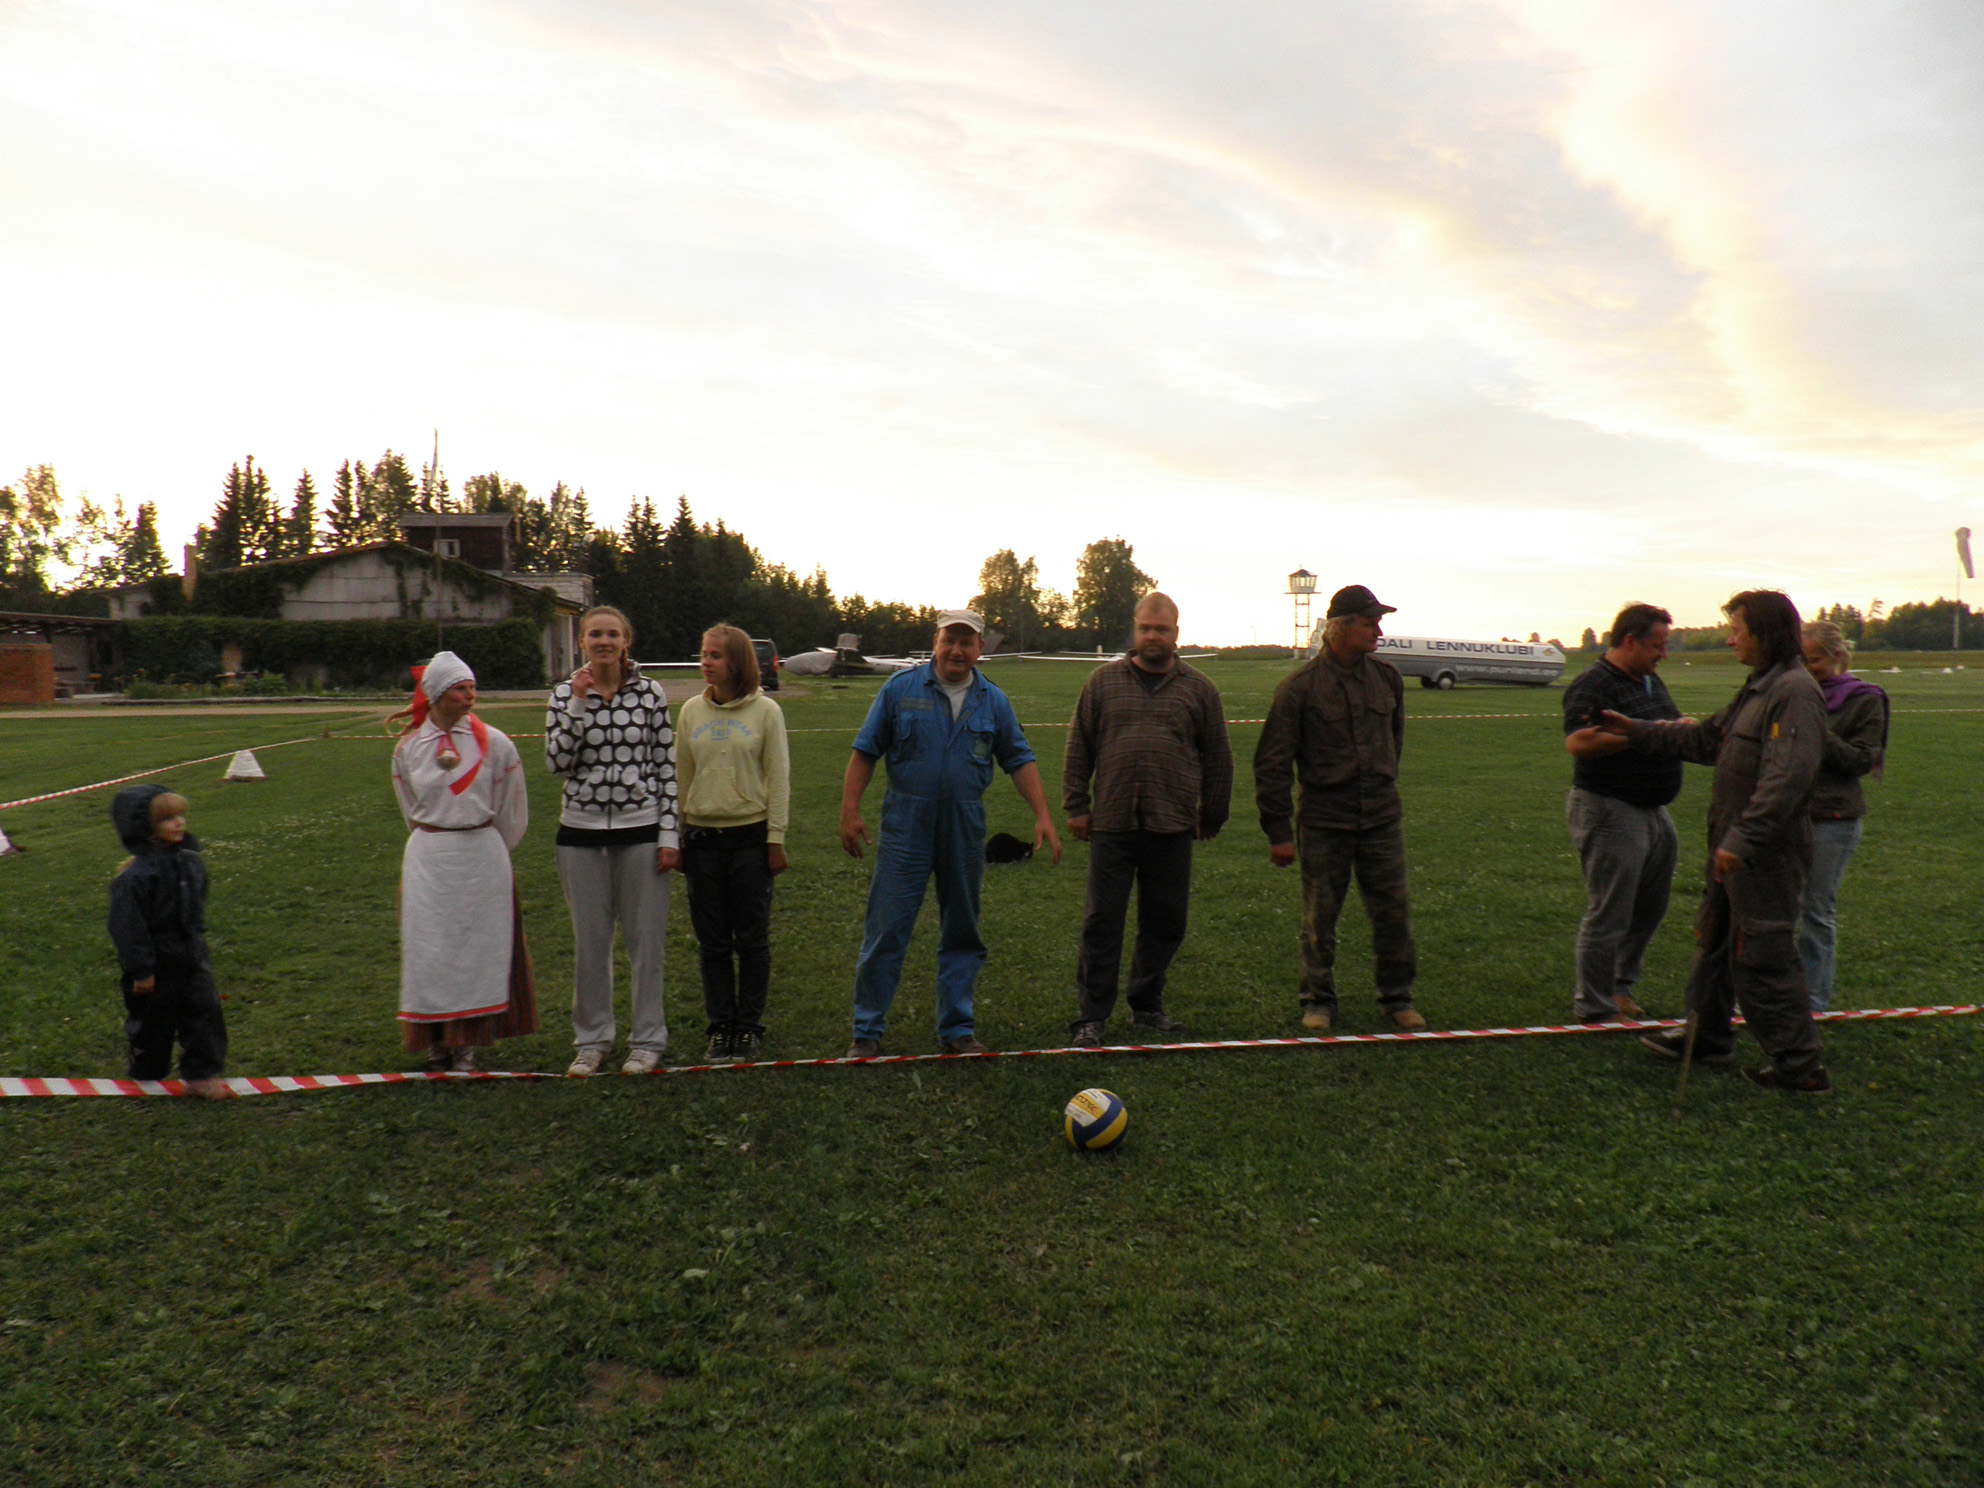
{"x":1438,"y":1264}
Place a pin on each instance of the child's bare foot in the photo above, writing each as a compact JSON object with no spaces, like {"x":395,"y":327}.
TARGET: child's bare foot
{"x":214,"y":1089}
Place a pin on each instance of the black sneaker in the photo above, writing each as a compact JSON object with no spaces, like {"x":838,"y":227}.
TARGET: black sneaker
{"x":1816,"y":1083}
{"x":1087,"y":1036}
{"x":720,"y":1050}
{"x":744,"y":1048}
{"x":1160,"y":1020}
{"x":1672,"y":1043}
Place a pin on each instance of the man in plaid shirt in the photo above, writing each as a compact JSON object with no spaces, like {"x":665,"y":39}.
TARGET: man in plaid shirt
{"x":1151,"y":733}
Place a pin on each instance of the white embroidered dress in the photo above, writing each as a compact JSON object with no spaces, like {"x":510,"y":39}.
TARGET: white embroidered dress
{"x":455,"y":879}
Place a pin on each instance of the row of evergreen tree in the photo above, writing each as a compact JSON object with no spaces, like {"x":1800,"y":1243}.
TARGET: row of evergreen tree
{"x":672,"y":577}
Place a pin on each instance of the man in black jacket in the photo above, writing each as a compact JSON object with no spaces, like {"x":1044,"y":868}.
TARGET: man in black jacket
{"x":1617,"y":813}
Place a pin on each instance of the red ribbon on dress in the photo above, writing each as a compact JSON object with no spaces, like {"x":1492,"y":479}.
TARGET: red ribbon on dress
{"x":481,"y":732}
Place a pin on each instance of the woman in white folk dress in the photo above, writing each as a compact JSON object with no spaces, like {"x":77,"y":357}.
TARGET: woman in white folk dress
{"x":465,"y":978}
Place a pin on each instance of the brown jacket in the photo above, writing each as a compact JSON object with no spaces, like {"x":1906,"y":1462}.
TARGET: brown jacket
{"x":1160,"y":756}
{"x":1766,"y":745}
{"x":1340,"y":731}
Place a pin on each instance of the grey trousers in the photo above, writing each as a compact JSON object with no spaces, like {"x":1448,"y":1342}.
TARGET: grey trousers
{"x":1628,"y":855}
{"x":605,"y":886}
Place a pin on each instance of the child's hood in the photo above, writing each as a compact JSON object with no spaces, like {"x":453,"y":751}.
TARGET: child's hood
{"x":131,"y":815}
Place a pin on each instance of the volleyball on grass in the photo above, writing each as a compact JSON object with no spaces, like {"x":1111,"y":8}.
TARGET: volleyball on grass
{"x":1095,"y":1121}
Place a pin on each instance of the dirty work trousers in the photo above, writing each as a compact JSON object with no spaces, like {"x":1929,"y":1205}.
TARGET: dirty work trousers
{"x":1745,"y":957}
{"x":1376,"y":856}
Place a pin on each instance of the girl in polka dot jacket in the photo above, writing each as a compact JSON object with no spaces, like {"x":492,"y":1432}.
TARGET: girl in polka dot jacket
{"x":606,"y":731}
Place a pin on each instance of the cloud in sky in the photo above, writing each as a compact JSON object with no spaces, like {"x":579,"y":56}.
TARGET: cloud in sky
{"x":1512,"y":310}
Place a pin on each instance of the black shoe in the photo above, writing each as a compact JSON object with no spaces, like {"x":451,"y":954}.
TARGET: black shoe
{"x":744,"y":1048}
{"x":1160,"y":1020}
{"x":1672,"y":1043}
{"x":1087,"y":1036}
{"x":1816,"y":1083}
{"x":720,"y":1050}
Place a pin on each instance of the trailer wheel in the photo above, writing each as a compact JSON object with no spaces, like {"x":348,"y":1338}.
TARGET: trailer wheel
{"x":1445,"y":681}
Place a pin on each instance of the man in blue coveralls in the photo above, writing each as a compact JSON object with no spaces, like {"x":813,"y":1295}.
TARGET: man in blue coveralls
{"x":941,"y":727}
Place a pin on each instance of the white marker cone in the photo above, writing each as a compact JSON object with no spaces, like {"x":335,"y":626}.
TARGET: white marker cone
{"x":244,"y":767}
{"x":7,"y":849}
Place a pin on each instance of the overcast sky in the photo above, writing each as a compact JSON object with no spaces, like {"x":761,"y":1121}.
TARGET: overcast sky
{"x":1513,"y":311}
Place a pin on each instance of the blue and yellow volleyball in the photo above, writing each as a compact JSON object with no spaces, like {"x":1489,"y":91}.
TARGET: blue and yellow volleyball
{"x":1095,"y":1121}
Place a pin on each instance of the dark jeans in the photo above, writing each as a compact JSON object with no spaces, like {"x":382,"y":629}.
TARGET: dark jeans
{"x":730,"y":906}
{"x":1377,"y":856}
{"x":183,"y":1005}
{"x":1160,"y":865}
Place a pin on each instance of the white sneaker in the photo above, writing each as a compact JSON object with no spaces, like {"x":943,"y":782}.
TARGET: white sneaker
{"x":584,"y":1063}
{"x":462,"y":1062}
{"x":641,"y":1061}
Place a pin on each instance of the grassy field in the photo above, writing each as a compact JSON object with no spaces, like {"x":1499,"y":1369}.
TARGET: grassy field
{"x":1424,"y":1264}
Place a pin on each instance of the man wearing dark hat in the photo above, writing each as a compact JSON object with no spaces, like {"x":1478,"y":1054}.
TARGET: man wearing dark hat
{"x":1338,"y":724}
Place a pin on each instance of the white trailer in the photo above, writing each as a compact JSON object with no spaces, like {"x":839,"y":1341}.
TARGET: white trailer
{"x":1439,"y":661}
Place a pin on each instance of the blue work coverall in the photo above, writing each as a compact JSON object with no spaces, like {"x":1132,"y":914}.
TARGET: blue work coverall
{"x":933,"y":822}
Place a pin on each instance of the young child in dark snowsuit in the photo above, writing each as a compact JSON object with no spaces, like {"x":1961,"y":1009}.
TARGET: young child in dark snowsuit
{"x":158,"y":921}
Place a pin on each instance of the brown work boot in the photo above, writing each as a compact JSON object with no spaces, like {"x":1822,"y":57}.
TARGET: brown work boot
{"x":1317,"y":1019}
{"x":863,"y":1049}
{"x":1408,"y":1019}
{"x":1626,"y":1007}
{"x":966,"y":1045}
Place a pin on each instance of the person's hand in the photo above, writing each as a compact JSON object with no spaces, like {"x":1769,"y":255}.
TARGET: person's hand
{"x":1077,"y":828}
{"x":667,"y":859}
{"x":775,"y":858}
{"x":1281,"y":854}
{"x":1726,"y":863}
{"x":1043,"y":831}
{"x":1614,"y":723}
{"x":145,"y":986}
{"x":1595,"y":742}
{"x":582,"y":682}
{"x":853,"y":833}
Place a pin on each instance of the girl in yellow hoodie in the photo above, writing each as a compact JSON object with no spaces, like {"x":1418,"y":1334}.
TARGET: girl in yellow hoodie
{"x":734,"y":778}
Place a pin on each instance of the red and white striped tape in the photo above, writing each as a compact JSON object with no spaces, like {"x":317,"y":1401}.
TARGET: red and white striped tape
{"x":77,"y":790}
{"x":27,"y":1085}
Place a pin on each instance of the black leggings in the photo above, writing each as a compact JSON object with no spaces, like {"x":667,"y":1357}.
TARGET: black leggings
{"x":730,"y":905}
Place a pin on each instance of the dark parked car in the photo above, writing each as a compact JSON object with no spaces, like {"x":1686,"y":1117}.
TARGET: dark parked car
{"x":767,"y":664}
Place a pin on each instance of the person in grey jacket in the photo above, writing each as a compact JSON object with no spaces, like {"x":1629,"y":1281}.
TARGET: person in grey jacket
{"x":1766,"y":745}
{"x":1856,"y":743}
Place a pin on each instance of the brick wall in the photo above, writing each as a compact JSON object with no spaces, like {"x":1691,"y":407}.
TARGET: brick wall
{"x":27,"y":674}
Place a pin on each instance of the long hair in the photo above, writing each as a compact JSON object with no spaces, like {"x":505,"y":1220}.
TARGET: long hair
{"x":626,"y":629}
{"x":741,"y":657}
{"x":1772,"y":619}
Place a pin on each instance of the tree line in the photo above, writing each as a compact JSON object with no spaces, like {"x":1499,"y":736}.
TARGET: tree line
{"x":1927,"y":626}
{"x":671,"y":573}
